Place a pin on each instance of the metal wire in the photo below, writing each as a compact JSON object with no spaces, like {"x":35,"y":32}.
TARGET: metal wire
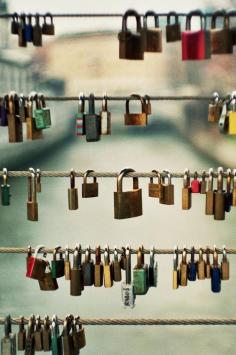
{"x":140,"y":321}
{"x":24,"y":250}
{"x":111,"y":174}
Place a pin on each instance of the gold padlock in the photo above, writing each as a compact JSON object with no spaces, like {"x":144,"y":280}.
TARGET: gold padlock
{"x":89,"y":189}
{"x":136,"y":119}
{"x":232,"y":117}
{"x":32,"y":132}
{"x":72,"y":193}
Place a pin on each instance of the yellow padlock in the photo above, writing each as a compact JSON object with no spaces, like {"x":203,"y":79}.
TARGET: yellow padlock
{"x":232,"y":118}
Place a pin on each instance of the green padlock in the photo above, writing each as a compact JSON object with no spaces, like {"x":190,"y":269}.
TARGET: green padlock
{"x":140,"y":275}
{"x":46,"y":111}
{"x":57,"y":265}
{"x":5,"y":190}
{"x":56,"y":338}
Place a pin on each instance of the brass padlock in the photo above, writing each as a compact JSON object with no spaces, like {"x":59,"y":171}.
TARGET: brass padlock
{"x":136,"y":119}
{"x":221,"y":38}
{"x":224,"y":118}
{"x":166,"y":190}
{"x":152,"y":37}
{"x":48,"y":283}
{"x":32,"y":131}
{"x":73,"y":202}
{"x":89,"y":189}
{"x":15,"y":129}
{"x":98,"y":268}
{"x":48,"y":28}
{"x":105,"y":117}
{"x":203,"y":183}
{"x":131,"y":43}
{"x":215,"y":108}
{"x":208,"y":264}
{"x":232,"y":116}
{"x":21,"y":336}
{"x":201,"y":266}
{"x":116,"y":266}
{"x":32,"y":205}
{"x":76,"y":274}
{"x":209,"y":209}
{"x":219,"y":198}
{"x":108,"y":273}
{"x":127,"y":204}
{"x":67,"y":266}
{"x":224,"y":266}
{"x":173,"y":31}
{"x":176,"y":271}
{"x":234,"y":189}
{"x":183,"y":269}
{"x":186,"y":191}
{"x":154,"y":188}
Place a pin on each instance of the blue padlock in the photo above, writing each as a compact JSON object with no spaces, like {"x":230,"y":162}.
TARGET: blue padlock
{"x":192,"y":267}
{"x":28,"y":31}
{"x":215,"y":274}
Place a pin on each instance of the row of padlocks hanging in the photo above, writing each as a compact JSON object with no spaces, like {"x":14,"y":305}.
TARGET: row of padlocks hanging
{"x":89,"y":272}
{"x":128,"y":204}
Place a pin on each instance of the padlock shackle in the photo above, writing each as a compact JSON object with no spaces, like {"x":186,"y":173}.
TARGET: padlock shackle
{"x":116,"y":255}
{"x":152,"y":257}
{"x":120,"y":179}
{"x":220,"y":13}
{"x":200,"y":254}
{"x":220,"y":180}
{"x":150,"y":14}
{"x":7,"y":325}
{"x":139,"y":258}
{"x":72,"y":179}
{"x":48,"y":14}
{"x":195,"y":13}
{"x":104,"y":103}
{"x":86,"y":174}
{"x":127,"y":14}
{"x":228,"y":181}
{"x":192,"y":254}
{"x":128,"y":266}
{"x":81,"y":107}
{"x":210,"y":180}
{"x":186,"y":179}
{"x":98,"y":255}
{"x":158,"y":176}
{"x":176,"y":258}
{"x":170,"y":14}
{"x":184,"y":256}
{"x":135,"y":97}
{"x":5,"y":176}
{"x":106,"y":257}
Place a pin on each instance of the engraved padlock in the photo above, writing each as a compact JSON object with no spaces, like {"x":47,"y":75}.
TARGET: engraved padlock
{"x":135,"y":119}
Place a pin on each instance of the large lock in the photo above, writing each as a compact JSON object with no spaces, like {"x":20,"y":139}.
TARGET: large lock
{"x":152,"y":37}
{"x":36,"y":266}
{"x":127,"y":204}
{"x":92,"y":122}
{"x":135,"y":119}
{"x":57,"y":265}
{"x":131,"y":43}
{"x":89,"y":189}
{"x":173,"y":30}
{"x":48,"y":283}
{"x":140,"y":275}
{"x":196,"y":44}
{"x":5,"y":190}
{"x":48,"y":28}
{"x":15,"y":129}
{"x":221,"y":38}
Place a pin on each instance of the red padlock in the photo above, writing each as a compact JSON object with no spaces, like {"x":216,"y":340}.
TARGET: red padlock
{"x":195,"y":184}
{"x":196,"y":44}
{"x":36,"y":266}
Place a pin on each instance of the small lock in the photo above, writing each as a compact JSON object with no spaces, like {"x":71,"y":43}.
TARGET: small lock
{"x":28,"y":34}
{"x":116,"y":266}
{"x":78,"y":334}
{"x":154,"y":188}
{"x":228,"y":193}
{"x":56,"y":339}
{"x":176,"y":270}
{"x":140,"y":275}
{"x":73,"y":202}
{"x":173,"y":30}
{"x":48,"y":283}
{"x":38,"y":334}
{"x":15,"y":128}
{"x":32,"y":205}
{"x":183,"y":273}
{"x":67,"y":338}
{"x":192,"y":267}
{"x":21,"y":337}
{"x":4,"y":111}
{"x":37,"y":32}
{"x":208,"y":264}
{"x":76,"y":274}
{"x":203,"y":183}
{"x":92,"y":122}
{"x":201,"y":266}
{"x":148,"y":106}
{"x":127,"y":287}
{"x":67,"y":267}
{"x":30,"y":343}
{"x":48,"y":28}
{"x":5,"y":189}
{"x":127,"y":204}
{"x":108,"y":272}
{"x":32,"y":132}
{"x":152,"y":37}
{"x":8,"y":342}
{"x":88,"y":269}
{"x":98,"y":268}
{"x":209,"y":208}
{"x":223,"y":123}
{"x":21,"y":31}
{"x":47,"y":334}
{"x":166,"y":190}
{"x":57,"y":265}
{"x":135,"y":119}
{"x":89,"y":189}
{"x":15,"y":24}
{"x":224,"y":266}
{"x":105,"y":117}
{"x":152,"y":270}
{"x":215,"y":274}
{"x":46,"y":113}
{"x":219,"y":198}
{"x":186,"y":192}
{"x":36,"y":266}
{"x":215,"y":108}
{"x":80,"y":116}
{"x":195,"y":184}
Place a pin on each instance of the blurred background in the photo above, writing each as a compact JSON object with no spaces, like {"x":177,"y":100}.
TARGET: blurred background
{"x":83,"y":56}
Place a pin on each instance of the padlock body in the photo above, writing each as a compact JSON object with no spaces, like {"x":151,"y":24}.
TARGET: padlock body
{"x":28,"y":33}
{"x":232,"y":123}
{"x":8,"y":345}
{"x":152,"y":276}
{"x":21,"y":338}
{"x":173,"y":32}
{"x":32,"y":211}
{"x":48,"y":283}
{"x":186,"y":198}
{"x":154,"y":190}
{"x":175,"y":280}
{"x":15,"y":129}
{"x":221,"y":41}
{"x":195,"y":186}
{"x":135,"y":119}
{"x":234,"y":197}
{"x":47,"y":343}
{"x":117,"y":271}
{"x":38,"y":340}
{"x":48,"y":29}
{"x":167,"y":194}
{"x":5,"y":195}
{"x":75,"y":282}
{"x":209,"y":210}
{"x":130,"y":45}
{"x":140,"y":281}
{"x":128,"y":204}
{"x":108,"y":277}
{"x":128,"y":295}
{"x":215,"y":279}
{"x":92,"y":127}
{"x":88,"y":273}
{"x":192,"y":271}
{"x":90,"y":189}
{"x":57,"y":348}
{"x":32,"y":132}
{"x":219,"y":205}
{"x":37,"y":35}
{"x":225,"y":270}
{"x":196,"y":45}
{"x":67,"y":269}
{"x":214,"y":112}
{"x":105,"y":122}
{"x":183,"y":280}
{"x":35,"y":268}
{"x":98,"y":275}
{"x":80,"y":124}
{"x":73,"y":203}
{"x":228,"y":201}
{"x":152,"y":40}
{"x":201,"y":266}
{"x":58,"y":269}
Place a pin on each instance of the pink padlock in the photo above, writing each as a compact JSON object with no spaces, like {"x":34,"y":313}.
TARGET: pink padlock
{"x":195,"y":184}
{"x":196,"y":44}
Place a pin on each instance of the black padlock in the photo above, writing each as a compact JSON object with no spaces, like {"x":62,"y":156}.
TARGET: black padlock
{"x":48,"y":28}
{"x":92,"y":122}
{"x":228,"y":194}
{"x":88,"y":269}
{"x":15,"y":24}
{"x":37,"y":32}
{"x":21,"y":31}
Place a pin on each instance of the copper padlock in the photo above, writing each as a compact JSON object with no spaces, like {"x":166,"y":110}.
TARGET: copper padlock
{"x":89,"y":189}
{"x":221,"y":38}
{"x":173,"y":30}
{"x":154,"y":188}
{"x":32,"y":132}
{"x":127,"y":204}
{"x":152,"y":37}
{"x":135,"y":119}
{"x":131,"y":43}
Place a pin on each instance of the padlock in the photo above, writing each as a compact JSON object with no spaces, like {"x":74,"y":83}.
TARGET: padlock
{"x":232,"y":116}
{"x":196,"y":44}
{"x":80,"y":116}
{"x":228,"y":193}
{"x":57,"y":265}
{"x":38,"y":181}
{"x":135,"y":119}
{"x":88,"y":268}
{"x":215,"y":108}
{"x":186,"y":192}
{"x":215,"y":274}
{"x":38,"y":334}
{"x":203,"y":183}
{"x":48,"y":28}
{"x":28,"y":30}
{"x":127,"y":287}
{"x":73,"y":202}
{"x":183,"y":273}
{"x":201,"y":266}
{"x":98,"y":268}
{"x":15,"y":129}
{"x":47,"y":334}
{"x":15,"y":24}
{"x":67,"y":338}
{"x":117,"y":277}
{"x":123,"y":259}
{"x":67,"y":267}
{"x":176,"y":270}
{"x":5,"y":189}
{"x":154,"y":188}
{"x":221,"y":38}
{"x":4,"y":111}
{"x":224,"y":266}
{"x":131,"y":43}
{"x":22,"y":108}
{"x":173,"y":31}
{"x":48,"y":283}
{"x":209,"y":209}
{"x":192,"y":267}
{"x":36,"y":266}
{"x":8,"y":342}
{"x":140,"y":275}
{"x":219,"y":198}
{"x":78,"y":334}
{"x":105,"y":117}
{"x":76,"y":277}
{"x":92,"y":122}
{"x":37,"y":32}
{"x":29,"y":254}
{"x":223,"y":123}
{"x":30,"y":342}
{"x":127,"y":204}
{"x":89,"y":189}
{"x":57,"y":348}
{"x":152,"y":37}
{"x":32,"y":132}
{"x":32,"y":205}
{"x":208,"y":264}
{"x":21,"y":31}
{"x":166,"y":190}
{"x":232,"y":29}
{"x":46,"y":113}
{"x":108,"y":274}
{"x":195,"y":184}
{"x":152,"y":269}
{"x":21,"y":336}
{"x":39,"y":115}
{"x":234,"y":189}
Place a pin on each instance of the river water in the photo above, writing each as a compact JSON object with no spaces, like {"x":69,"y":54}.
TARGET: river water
{"x":93,"y":223}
